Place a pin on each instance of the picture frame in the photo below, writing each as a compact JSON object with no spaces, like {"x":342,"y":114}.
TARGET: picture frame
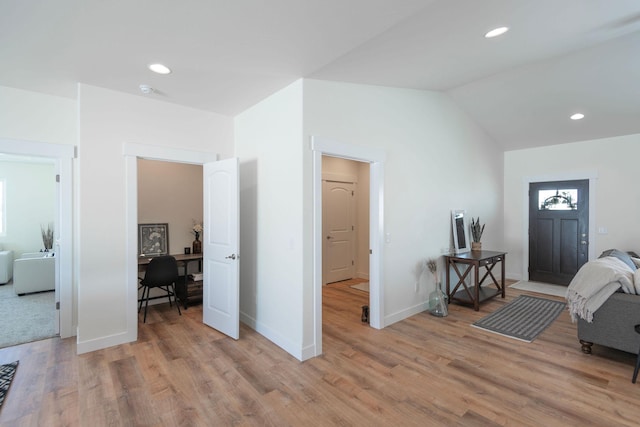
{"x":460,"y":225}
{"x":153,"y":239}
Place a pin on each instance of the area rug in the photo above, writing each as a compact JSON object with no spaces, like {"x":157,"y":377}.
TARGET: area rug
{"x":364,"y":286}
{"x":524,"y":318}
{"x":540,"y":288}
{"x":6,"y":376}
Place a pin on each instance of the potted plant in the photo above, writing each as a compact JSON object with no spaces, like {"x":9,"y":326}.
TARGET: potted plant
{"x":476,"y":234}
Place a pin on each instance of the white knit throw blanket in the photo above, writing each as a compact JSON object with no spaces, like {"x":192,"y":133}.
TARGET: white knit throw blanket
{"x":596,"y":281}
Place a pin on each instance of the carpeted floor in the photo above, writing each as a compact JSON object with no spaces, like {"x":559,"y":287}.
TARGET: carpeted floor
{"x":27,"y":318}
{"x":524,"y":318}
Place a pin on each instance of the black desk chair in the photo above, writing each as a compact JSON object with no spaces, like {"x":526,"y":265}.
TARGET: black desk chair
{"x":162,"y":273}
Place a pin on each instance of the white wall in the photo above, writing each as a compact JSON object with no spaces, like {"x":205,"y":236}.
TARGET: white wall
{"x":107,"y":120}
{"x":268,"y":144}
{"x":616,"y":197}
{"x":171,"y":193}
{"x":33,"y":116}
{"x":30,"y":201}
{"x":437,"y":160}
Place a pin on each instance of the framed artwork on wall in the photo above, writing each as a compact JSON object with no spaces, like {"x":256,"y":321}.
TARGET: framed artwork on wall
{"x":460,"y":226}
{"x":153,"y":239}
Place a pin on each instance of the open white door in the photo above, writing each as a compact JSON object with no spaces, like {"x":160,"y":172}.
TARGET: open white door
{"x":221,"y":296}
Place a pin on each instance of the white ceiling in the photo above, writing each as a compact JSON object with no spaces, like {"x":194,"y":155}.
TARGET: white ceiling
{"x":559,"y":57}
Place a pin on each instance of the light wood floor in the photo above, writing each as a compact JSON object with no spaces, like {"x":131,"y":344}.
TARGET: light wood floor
{"x":425,"y":371}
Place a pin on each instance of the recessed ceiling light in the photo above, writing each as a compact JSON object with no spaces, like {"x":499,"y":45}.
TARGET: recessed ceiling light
{"x":159,"y":68}
{"x":577,"y":116}
{"x":496,"y":32}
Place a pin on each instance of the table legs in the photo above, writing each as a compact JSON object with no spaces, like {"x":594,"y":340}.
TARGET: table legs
{"x":475,"y":295}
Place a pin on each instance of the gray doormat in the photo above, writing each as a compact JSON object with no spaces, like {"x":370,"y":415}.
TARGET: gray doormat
{"x":364,"y":286}
{"x":524,"y":318}
{"x":541,"y":288}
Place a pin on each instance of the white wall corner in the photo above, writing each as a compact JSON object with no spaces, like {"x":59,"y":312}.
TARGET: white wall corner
{"x":287,"y":345}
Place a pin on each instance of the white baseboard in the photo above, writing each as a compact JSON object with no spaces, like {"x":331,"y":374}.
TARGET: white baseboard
{"x":404,"y":314}
{"x":103,"y":342}
{"x":513,"y":276}
{"x":273,"y":336}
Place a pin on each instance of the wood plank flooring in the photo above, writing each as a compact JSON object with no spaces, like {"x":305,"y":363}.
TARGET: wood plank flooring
{"x":425,"y":371}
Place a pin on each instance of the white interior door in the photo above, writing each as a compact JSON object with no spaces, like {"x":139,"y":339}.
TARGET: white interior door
{"x":221,"y":302}
{"x":338,"y":206}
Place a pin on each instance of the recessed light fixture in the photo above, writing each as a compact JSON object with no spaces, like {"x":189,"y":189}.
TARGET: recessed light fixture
{"x":159,"y":68}
{"x":496,"y":32}
{"x":577,"y":116}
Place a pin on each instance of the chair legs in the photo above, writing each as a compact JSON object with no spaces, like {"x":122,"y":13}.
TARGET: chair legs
{"x":145,"y":298}
{"x":175,"y":297}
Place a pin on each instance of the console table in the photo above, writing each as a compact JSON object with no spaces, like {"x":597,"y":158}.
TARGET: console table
{"x":463,"y":265}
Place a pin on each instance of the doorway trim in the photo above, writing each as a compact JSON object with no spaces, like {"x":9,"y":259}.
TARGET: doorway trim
{"x":132,"y":152}
{"x":63,"y":155}
{"x":376,"y":158}
{"x":592,"y":176}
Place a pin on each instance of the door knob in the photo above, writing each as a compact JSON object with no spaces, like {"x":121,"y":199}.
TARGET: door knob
{"x":329,"y":237}
{"x":232,"y":256}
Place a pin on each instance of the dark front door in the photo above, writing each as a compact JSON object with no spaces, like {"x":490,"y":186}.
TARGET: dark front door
{"x":558,"y":226}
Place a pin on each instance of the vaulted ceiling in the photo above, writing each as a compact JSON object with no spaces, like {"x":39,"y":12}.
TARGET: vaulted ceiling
{"x":558,"y":57}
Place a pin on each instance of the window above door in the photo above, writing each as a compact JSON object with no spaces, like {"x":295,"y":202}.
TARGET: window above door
{"x":558,"y":200}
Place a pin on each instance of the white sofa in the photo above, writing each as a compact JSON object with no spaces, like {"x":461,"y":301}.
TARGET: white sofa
{"x":6,"y":266}
{"x":34,"y":272}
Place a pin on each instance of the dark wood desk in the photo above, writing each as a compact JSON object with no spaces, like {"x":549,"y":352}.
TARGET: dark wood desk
{"x":184,"y":258}
{"x":187,"y":290}
{"x":469,"y":262}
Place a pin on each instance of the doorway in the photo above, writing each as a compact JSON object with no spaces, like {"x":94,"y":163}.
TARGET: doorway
{"x":62,"y":156}
{"x":558,"y":230}
{"x":345,"y":224}
{"x":375,"y":158}
{"x":338,"y":224}
{"x":343,"y":233}
{"x":220,"y":180}
{"x":172,"y":193}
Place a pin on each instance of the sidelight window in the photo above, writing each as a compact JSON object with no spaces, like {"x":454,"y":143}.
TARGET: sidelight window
{"x":558,"y":200}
